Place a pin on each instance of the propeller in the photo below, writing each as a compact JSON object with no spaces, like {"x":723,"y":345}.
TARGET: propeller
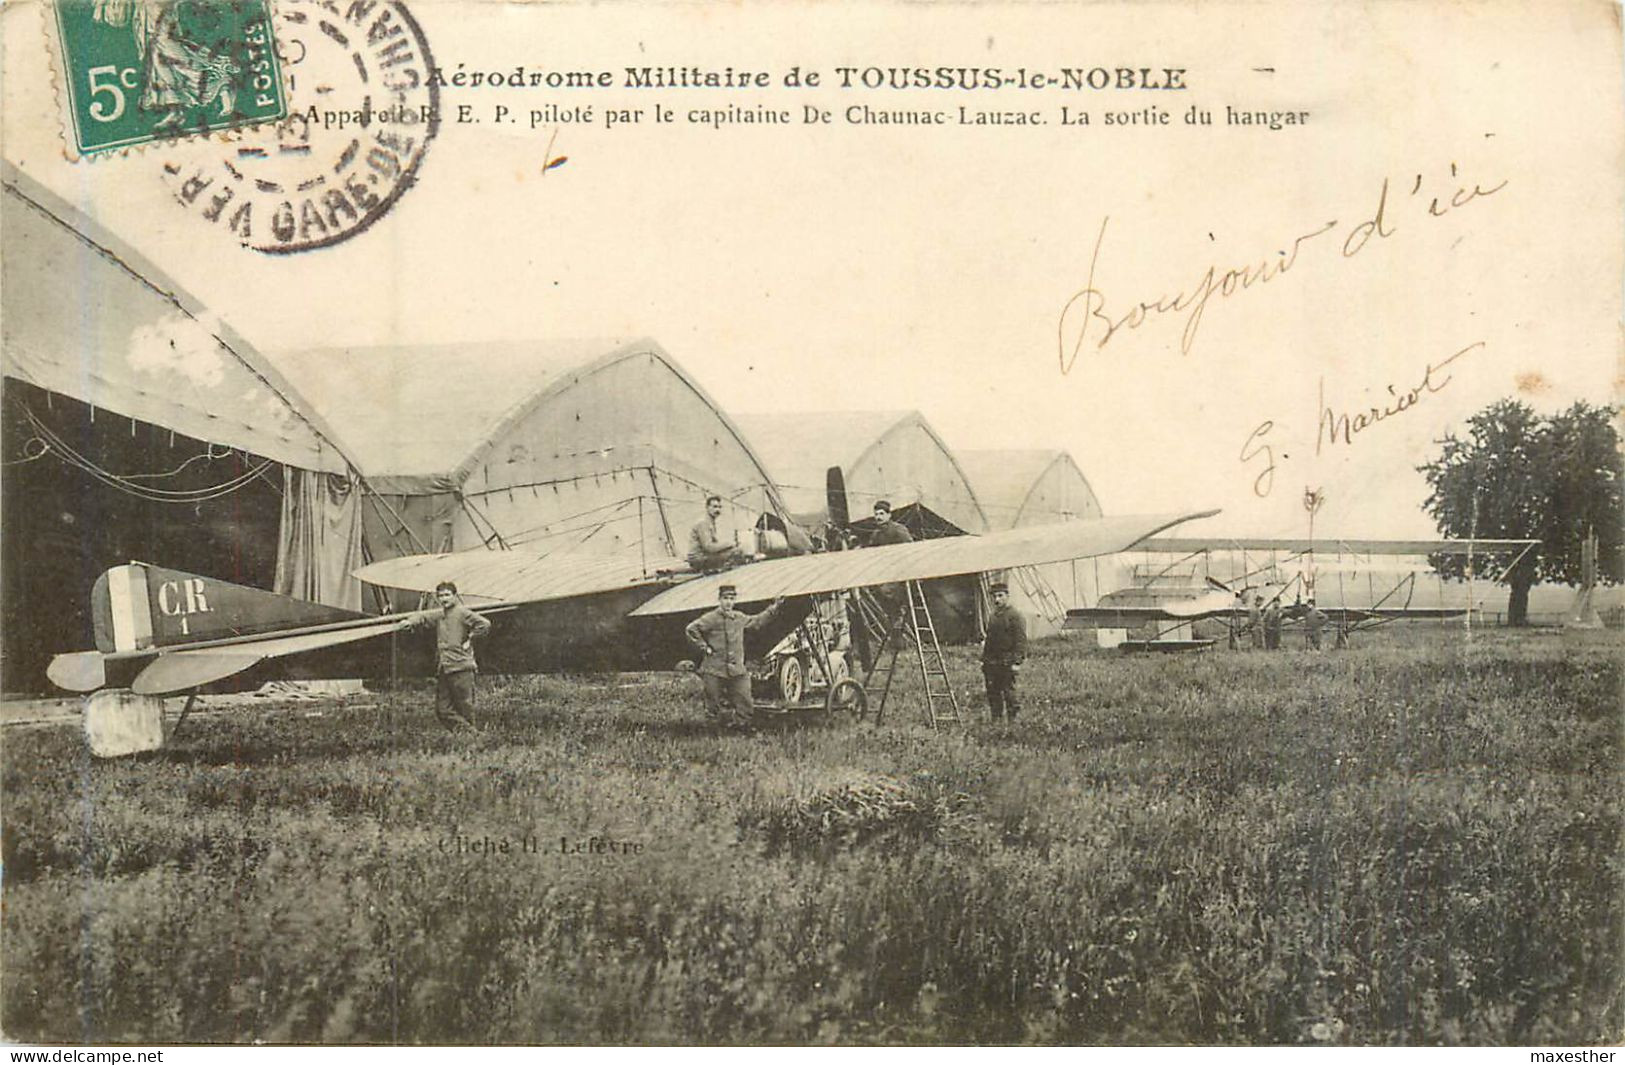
{"x":835,"y":497}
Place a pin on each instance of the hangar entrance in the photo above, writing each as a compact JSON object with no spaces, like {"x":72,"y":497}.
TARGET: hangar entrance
{"x":84,"y":489}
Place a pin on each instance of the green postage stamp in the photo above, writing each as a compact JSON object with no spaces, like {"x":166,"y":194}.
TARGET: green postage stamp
{"x":145,"y":70}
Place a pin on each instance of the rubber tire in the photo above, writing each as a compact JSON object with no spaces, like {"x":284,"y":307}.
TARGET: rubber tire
{"x":847,"y":696}
{"x":792,"y":681}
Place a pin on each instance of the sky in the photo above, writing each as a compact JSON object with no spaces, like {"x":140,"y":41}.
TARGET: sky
{"x":1189,"y":310}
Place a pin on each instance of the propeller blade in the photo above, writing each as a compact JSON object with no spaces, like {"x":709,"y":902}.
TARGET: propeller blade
{"x":835,"y":497}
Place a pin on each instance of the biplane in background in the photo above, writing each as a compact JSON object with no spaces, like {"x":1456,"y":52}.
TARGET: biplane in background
{"x":161,"y":632}
{"x":1356,"y":584}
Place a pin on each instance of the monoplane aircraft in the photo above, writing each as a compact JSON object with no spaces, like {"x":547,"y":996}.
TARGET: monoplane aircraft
{"x":161,"y":632}
{"x":1369,"y":585}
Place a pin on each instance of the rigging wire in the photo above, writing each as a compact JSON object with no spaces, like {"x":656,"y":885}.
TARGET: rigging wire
{"x":44,"y":449}
{"x":209,"y":455}
{"x":122,"y":483}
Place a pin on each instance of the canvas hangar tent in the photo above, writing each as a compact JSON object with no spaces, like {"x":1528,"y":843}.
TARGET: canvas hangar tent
{"x":601,"y":447}
{"x":1021,"y":487}
{"x":893,"y":455}
{"x":135,"y":426}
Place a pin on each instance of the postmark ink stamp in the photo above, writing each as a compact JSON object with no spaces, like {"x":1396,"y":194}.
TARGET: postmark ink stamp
{"x":138,"y":71}
{"x":362,"y":112}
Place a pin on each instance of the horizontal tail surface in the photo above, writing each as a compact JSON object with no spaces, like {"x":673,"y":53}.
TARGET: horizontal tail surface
{"x":138,"y":607}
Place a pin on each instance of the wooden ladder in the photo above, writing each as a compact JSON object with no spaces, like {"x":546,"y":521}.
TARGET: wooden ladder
{"x":941,"y":704}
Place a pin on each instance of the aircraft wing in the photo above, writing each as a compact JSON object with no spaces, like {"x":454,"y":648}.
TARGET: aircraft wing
{"x":165,"y":670}
{"x":1182,"y":545}
{"x":1392,"y":613}
{"x":518,"y":576}
{"x":184,"y":669}
{"x":1216,"y":605}
{"x":948,"y":557}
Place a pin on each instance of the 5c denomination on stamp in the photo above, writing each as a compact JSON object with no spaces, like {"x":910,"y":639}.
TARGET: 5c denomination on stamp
{"x":136,"y":71}
{"x":362,"y":111}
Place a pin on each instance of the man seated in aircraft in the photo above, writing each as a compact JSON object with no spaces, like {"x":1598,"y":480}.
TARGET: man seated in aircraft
{"x":1003,"y":651}
{"x":887,"y":531}
{"x":719,"y":636}
{"x":456,"y":629}
{"x":708,"y":552}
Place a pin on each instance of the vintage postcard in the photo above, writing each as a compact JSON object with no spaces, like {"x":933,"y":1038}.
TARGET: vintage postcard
{"x":811,"y":523}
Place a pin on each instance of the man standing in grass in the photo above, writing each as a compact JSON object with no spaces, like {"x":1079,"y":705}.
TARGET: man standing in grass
{"x":720,"y":637}
{"x":456,"y":628}
{"x":1314,"y":623}
{"x":1255,"y":622}
{"x":1272,"y":625}
{"x":1003,"y":651}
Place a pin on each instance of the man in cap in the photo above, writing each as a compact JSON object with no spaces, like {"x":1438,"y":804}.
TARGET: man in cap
{"x":719,"y":636}
{"x":891,"y":598}
{"x":1314,"y":623}
{"x":1003,"y":650}
{"x":456,"y":628}
{"x":887,"y":531}
{"x":1255,"y":621}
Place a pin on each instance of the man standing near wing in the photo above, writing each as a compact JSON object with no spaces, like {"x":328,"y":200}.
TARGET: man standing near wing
{"x":1003,"y":651}
{"x":1314,"y":623}
{"x":456,"y":628}
{"x":719,"y":636}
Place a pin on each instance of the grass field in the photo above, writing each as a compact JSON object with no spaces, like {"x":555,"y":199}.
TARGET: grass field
{"x":1415,"y":841}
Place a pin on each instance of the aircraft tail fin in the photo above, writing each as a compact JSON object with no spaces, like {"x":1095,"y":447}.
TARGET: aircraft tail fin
{"x":139,"y":607}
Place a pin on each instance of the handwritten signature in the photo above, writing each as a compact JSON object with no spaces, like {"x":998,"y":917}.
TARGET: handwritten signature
{"x":1087,"y":317}
{"x":1332,"y":425}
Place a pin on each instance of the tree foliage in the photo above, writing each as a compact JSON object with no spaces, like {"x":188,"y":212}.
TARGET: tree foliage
{"x":1518,"y":475}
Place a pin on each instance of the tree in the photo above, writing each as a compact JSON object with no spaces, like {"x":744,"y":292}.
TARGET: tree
{"x":1523,"y":477}
{"x":1584,"y":494}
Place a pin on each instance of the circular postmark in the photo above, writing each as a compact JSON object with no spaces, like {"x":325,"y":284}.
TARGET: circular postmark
{"x":362,"y":110}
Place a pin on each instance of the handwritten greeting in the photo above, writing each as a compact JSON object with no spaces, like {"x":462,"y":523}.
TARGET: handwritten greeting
{"x":1091,"y":319}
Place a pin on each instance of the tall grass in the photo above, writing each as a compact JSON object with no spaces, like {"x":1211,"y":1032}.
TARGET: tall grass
{"x":1415,"y":841}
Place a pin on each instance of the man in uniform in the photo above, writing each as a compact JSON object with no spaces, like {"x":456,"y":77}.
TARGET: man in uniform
{"x":456,"y":629}
{"x":887,"y":531}
{"x":1003,"y":650}
{"x":890,"y":599}
{"x":719,"y":636}
{"x":1314,"y":622}
{"x":708,"y":552}
{"x":1272,"y":625}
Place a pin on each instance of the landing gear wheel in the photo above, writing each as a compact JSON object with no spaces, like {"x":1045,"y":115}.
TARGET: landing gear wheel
{"x":847,"y":696}
{"x":792,"y":682}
